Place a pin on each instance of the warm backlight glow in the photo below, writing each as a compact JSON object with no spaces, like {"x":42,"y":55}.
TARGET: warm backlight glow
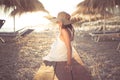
{"x":37,"y":18}
{"x":25,"y":20}
{"x":55,"y":6}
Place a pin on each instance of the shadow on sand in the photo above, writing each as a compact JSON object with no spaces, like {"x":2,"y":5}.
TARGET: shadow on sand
{"x":61,"y":73}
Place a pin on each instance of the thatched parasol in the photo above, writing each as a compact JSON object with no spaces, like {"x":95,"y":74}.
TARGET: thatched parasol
{"x":95,"y":7}
{"x":21,"y":6}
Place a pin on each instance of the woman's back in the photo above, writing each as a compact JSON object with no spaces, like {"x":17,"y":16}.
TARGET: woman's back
{"x":58,"y":51}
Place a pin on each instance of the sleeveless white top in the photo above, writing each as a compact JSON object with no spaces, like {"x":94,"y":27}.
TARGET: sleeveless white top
{"x":58,"y":51}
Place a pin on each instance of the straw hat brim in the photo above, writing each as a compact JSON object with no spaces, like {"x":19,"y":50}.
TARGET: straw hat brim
{"x":64,"y":21}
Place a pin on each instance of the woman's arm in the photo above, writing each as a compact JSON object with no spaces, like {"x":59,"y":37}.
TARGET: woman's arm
{"x":66,"y":38}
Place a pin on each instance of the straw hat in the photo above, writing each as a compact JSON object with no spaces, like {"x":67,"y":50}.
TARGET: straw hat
{"x":64,"y":18}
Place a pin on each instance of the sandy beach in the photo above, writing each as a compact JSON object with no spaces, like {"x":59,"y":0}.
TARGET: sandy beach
{"x":21,"y":58}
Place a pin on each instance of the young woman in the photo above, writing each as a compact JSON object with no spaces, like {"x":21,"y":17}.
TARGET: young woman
{"x":61,"y":49}
{"x":61,"y":53}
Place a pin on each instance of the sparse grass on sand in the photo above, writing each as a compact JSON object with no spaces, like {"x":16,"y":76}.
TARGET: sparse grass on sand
{"x":21,"y":58}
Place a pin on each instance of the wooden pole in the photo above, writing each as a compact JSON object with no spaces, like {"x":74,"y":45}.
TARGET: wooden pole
{"x":14,"y":21}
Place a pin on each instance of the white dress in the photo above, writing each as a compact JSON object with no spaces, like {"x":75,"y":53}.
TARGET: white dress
{"x":58,"y":51}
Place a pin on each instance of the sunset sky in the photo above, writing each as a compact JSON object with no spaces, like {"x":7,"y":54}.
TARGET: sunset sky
{"x":55,"y":6}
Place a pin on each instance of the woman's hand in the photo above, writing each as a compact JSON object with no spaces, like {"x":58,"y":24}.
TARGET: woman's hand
{"x":68,"y":67}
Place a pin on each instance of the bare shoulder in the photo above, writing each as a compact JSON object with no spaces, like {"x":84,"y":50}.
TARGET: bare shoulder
{"x":65,"y":35}
{"x":64,"y":31}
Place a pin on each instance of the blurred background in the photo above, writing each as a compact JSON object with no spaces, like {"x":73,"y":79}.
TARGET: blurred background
{"x":19,"y":14}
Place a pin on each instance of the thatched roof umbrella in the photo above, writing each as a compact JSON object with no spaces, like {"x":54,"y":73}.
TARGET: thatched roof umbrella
{"x":21,"y":6}
{"x":83,"y":11}
{"x":95,"y":7}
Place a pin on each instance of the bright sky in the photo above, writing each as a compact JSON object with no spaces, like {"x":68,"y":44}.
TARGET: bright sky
{"x":55,"y":6}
